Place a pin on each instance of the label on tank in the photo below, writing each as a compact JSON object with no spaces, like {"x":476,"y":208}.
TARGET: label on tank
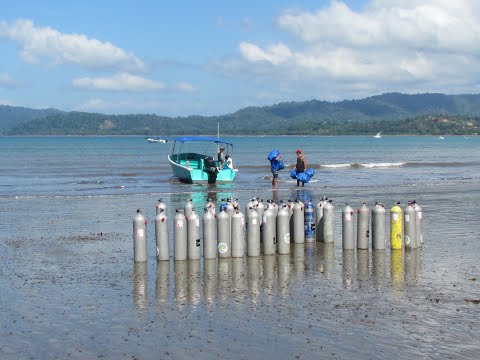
{"x":222,"y":248}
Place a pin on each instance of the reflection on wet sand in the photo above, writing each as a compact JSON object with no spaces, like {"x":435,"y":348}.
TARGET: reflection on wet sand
{"x":362,"y":265}
{"x":162,"y":283}
{"x":378,"y":267}
{"x":209,"y":280}
{"x":194,"y":284}
{"x":140,"y":290}
{"x":238,"y":280}
{"x":261,"y":279}
{"x":348,"y":268}
{"x":224,"y":279}
{"x":298,"y":251}
{"x":413,"y":265}
{"x":254,"y":281}
{"x":310,"y":250}
{"x":284,"y":268}
{"x":180,"y":280}
{"x":326,"y":259}
{"x":269,"y":275}
{"x":396,"y":268}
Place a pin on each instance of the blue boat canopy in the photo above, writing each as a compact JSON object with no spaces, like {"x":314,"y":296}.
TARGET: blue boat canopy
{"x":183,"y":139}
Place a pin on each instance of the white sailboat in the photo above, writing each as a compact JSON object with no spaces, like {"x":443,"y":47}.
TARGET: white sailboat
{"x":378,"y":136}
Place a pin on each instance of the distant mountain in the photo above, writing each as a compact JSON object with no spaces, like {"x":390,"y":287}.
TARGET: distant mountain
{"x":391,"y":113}
{"x":12,"y":116}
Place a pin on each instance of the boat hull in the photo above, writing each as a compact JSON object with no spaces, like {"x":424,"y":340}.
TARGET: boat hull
{"x":190,"y":169}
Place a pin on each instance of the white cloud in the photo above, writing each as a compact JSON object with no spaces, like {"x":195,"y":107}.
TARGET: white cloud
{"x":36,"y":43}
{"x":118,"y":82}
{"x":93,"y":104}
{"x":6,"y":81}
{"x":185,"y":86}
{"x":388,"y":45}
{"x":6,"y":102}
{"x":274,"y":54}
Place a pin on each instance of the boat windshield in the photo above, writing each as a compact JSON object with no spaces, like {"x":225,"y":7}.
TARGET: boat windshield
{"x":201,"y":145}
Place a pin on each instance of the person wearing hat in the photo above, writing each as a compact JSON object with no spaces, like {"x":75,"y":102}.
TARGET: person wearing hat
{"x":301,"y":165}
{"x":221,"y":157}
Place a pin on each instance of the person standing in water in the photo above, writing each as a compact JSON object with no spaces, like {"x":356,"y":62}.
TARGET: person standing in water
{"x":276,"y":164}
{"x":301,"y":165}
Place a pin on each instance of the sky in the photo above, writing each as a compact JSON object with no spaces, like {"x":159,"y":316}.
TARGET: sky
{"x":180,"y":58}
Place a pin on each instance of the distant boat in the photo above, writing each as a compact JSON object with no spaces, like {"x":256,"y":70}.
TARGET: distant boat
{"x":441,"y":137}
{"x":156,"y":139}
{"x":378,"y":136}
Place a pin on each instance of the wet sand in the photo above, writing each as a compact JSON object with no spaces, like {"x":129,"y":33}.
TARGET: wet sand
{"x":70,"y":289}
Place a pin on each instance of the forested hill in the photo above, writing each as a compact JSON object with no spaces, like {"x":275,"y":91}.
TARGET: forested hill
{"x":391,"y":113}
{"x":12,"y":116}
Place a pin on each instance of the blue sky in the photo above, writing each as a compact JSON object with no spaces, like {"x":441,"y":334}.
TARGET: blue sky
{"x":215,"y":57}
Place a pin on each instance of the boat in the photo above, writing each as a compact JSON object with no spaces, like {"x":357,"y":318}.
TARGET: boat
{"x":378,"y":136}
{"x":194,"y":160}
{"x":157,"y":139}
{"x":441,"y":137}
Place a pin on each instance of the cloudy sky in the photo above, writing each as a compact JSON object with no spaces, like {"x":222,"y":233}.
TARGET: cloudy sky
{"x":179,"y":58}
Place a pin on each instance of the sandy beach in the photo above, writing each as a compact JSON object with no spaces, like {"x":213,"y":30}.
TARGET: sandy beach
{"x":70,"y":288}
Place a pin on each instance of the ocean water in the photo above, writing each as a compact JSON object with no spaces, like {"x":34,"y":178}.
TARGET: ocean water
{"x":89,"y":166}
{"x":70,"y":288}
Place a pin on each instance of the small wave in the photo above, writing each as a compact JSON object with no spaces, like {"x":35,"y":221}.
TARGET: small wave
{"x":382,"y":165}
{"x":362,"y":166}
{"x":335,"y":166}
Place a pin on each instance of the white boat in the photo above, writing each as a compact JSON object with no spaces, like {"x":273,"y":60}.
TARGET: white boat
{"x":378,"y":136}
{"x":441,"y":138}
{"x":157,"y":139}
{"x":193,"y":160}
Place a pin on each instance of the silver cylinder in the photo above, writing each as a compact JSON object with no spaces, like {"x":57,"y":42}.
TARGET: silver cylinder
{"x":378,"y":227}
{"x":230,"y":208}
{"x":283,"y":230}
{"x":260,"y":208}
{"x":269,"y":231}
{"x":418,"y":225}
{"x":209,"y":235}
{"x":298,"y":223}
{"x":319,"y":219}
{"x":363,"y":226}
{"x":139,"y":238}
{"x":161,"y":236}
{"x":210,"y":206}
{"x":193,"y":235}
{"x":253,"y":233}
{"x":348,"y":239}
{"x":160,"y":207}
{"x":328,"y":223}
{"x":223,"y":234}
{"x":238,"y":234}
{"x":180,"y":236}
{"x":188,"y":208}
{"x":409,"y":226}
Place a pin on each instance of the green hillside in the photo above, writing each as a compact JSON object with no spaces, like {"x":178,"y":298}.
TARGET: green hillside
{"x":391,"y":113}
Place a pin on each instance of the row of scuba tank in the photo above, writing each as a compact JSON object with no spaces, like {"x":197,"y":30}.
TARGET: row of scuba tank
{"x":270,"y":228}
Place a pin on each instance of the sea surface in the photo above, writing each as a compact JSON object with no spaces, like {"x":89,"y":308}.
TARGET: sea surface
{"x":70,"y":288}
